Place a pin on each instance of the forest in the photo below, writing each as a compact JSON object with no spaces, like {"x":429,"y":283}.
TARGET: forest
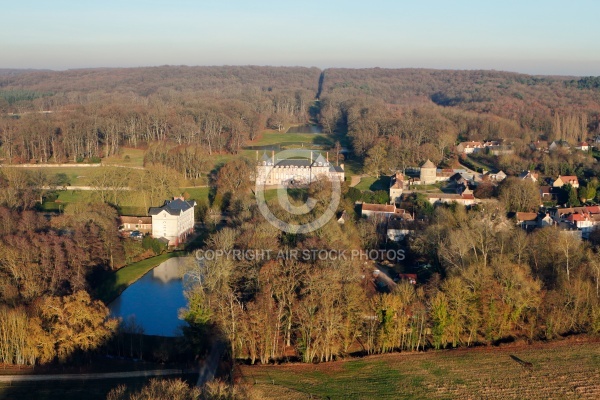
{"x":486,"y":281}
{"x":481,"y":280}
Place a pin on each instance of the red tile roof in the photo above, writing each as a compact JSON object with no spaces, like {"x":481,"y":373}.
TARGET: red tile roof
{"x":526,"y":216}
{"x":568,"y":178}
{"x":389,"y":208}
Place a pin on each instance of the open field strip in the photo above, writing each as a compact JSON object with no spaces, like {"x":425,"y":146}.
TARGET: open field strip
{"x":565,"y":369}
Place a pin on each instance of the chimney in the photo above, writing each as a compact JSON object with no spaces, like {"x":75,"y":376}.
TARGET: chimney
{"x":273,"y":156}
{"x":256,"y":155}
{"x":342,"y":166}
{"x":311,"y":157}
{"x":327,"y":156}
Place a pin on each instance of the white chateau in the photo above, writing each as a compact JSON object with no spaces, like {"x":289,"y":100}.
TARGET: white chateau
{"x":173,"y":221}
{"x":271,"y":171}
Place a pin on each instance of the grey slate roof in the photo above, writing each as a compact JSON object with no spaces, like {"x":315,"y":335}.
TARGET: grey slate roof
{"x":173,"y":207}
{"x":293,"y":163}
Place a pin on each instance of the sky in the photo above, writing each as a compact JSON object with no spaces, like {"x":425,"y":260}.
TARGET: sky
{"x":548,"y":37}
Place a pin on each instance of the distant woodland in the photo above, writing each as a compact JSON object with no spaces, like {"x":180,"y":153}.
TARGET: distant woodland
{"x":79,"y":115}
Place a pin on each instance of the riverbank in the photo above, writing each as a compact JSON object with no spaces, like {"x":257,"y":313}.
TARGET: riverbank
{"x":119,"y":280}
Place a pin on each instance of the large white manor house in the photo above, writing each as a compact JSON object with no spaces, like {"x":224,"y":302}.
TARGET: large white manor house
{"x":271,"y":171}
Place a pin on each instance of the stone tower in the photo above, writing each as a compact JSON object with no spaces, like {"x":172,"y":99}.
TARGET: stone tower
{"x":428,"y":173}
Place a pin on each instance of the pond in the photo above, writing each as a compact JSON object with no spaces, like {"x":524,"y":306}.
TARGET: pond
{"x":154,"y":300}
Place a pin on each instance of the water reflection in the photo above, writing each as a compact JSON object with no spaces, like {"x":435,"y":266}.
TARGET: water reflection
{"x":155,"y":299}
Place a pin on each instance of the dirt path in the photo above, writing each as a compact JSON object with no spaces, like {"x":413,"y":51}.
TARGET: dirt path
{"x":355,"y":180}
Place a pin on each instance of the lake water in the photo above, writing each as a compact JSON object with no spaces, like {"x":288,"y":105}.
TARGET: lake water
{"x":154,"y":300}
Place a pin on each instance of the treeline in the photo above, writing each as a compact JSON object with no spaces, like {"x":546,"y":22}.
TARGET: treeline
{"x":421,"y":111}
{"x":53,"y":328}
{"x":486,"y":282}
{"x":41,"y":257}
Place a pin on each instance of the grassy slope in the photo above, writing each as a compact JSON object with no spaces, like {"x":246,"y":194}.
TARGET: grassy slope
{"x":125,"y":276}
{"x":566,"y":369}
{"x":373,"y":183}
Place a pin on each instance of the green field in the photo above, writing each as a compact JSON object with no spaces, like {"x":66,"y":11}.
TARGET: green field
{"x":568,"y":369}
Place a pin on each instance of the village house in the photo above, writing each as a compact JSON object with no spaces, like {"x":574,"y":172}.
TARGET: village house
{"x":496,"y":176}
{"x":540,"y":145}
{"x":566,"y":180}
{"x":466,"y":199}
{"x":493,"y":147}
{"x":527,"y":220}
{"x":582,"y":146}
{"x":429,"y":174}
{"x":497,"y":148}
{"x":548,"y":193}
{"x":384,"y":210}
{"x":396,"y":187}
{"x":559,"y":144}
{"x":399,"y":229}
{"x":530,"y":221}
{"x":469,"y":147}
{"x":583,"y":219}
{"x":270,"y":171}
{"x":142,"y":224}
{"x":529,"y":176}
{"x":173,"y":221}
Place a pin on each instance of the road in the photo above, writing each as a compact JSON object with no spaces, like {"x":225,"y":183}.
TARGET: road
{"x":103,"y":375}
{"x":69,"y":166}
{"x":208,"y":366}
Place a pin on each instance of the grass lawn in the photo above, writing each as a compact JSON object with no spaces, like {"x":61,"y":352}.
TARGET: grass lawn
{"x":121,"y":279}
{"x":131,"y":203}
{"x":352,"y":167}
{"x":568,"y":369}
{"x":271,"y":137}
{"x":374,"y":183}
{"x":75,"y":175}
{"x":197,"y":193}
